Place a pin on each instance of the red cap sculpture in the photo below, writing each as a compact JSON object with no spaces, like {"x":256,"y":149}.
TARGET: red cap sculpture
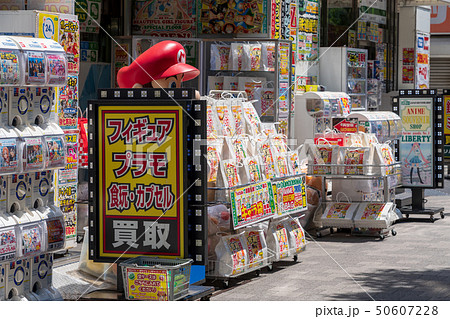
{"x":163,"y":60}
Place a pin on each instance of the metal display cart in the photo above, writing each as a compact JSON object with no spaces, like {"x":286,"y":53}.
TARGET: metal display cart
{"x":390,"y":182}
{"x":254,"y":267}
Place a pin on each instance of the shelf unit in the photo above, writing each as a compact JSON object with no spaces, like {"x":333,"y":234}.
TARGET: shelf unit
{"x":389,"y":181}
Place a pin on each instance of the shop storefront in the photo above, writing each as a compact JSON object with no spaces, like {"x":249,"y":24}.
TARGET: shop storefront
{"x":284,"y":127}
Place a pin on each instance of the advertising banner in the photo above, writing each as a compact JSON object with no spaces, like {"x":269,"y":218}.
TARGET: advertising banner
{"x":69,"y":174}
{"x":141,"y":181}
{"x":417,"y":141}
{"x":440,"y":20}
{"x":252,"y":204}
{"x":422,"y":74}
{"x":447,"y":126}
{"x":68,"y":103}
{"x":175,"y":18}
{"x":69,"y":38}
{"x":373,"y":11}
{"x":89,"y":13}
{"x":289,"y":195}
{"x":231,"y":17}
{"x":58,"y":6}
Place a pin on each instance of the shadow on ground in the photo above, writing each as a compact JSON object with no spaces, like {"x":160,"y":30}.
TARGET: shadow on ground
{"x":394,"y":285}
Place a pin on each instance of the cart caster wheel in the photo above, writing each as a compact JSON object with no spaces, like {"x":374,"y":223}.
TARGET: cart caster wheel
{"x":393,"y":232}
{"x":295,"y":258}
{"x":432,"y":219}
{"x":206,"y":298}
{"x":270,"y":268}
{"x":319,"y":235}
{"x":407,"y":215}
{"x":442,"y":215}
{"x":258,"y":273}
{"x":382,"y":237}
{"x":225,"y":284}
{"x":331,"y":230}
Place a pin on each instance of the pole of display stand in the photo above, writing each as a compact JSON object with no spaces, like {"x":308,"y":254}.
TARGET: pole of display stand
{"x":418,"y":206}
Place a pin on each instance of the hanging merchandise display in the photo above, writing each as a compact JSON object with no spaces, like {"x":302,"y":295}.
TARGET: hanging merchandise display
{"x":261,"y":68}
{"x":259,"y":182}
{"x":33,"y":147}
{"x":446,"y":101}
{"x":351,"y":152}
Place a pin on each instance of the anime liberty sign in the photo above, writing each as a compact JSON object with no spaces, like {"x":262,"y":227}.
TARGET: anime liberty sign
{"x":417,"y":141}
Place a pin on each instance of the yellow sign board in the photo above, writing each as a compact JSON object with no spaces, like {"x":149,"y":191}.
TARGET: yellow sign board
{"x":141,"y":180}
{"x":48,"y":26}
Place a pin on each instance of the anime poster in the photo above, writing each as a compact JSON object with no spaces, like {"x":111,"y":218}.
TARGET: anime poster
{"x":36,"y":68}
{"x":69,"y":38}
{"x":416,"y":144}
{"x":9,"y":161}
{"x":252,"y":204}
{"x":362,"y":33}
{"x":422,"y":74}
{"x":68,"y":103}
{"x":164,"y":18}
{"x":308,"y":31}
{"x":8,"y":243}
{"x":9,"y":67}
{"x":231,"y":17}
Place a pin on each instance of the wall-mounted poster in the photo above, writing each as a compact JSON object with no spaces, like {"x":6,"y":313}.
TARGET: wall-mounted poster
{"x":231,"y":17}
{"x":422,"y":74}
{"x":89,"y":13}
{"x":164,"y":18}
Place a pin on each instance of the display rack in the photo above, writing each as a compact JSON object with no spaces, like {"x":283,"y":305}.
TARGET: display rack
{"x":371,"y":226}
{"x":254,"y":267}
{"x":277,"y":77}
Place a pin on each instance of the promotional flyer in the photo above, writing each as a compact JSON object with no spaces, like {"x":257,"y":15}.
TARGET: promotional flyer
{"x":147,"y":284}
{"x":141,"y":181}
{"x":417,"y":140}
{"x":422,"y":74}
{"x":290,"y":196}
{"x":251,"y":204}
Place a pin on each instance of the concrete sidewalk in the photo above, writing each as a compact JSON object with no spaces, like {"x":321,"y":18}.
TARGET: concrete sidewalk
{"x":414,"y":265}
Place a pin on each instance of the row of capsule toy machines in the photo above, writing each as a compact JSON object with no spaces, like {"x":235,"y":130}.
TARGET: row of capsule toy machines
{"x":32,"y":146}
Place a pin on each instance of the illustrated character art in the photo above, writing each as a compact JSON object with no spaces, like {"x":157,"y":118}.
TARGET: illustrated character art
{"x":417,"y":161}
{"x":161,"y":66}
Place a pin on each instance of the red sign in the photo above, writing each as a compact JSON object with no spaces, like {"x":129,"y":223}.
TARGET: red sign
{"x":346,"y":127}
{"x":440,"y":19}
